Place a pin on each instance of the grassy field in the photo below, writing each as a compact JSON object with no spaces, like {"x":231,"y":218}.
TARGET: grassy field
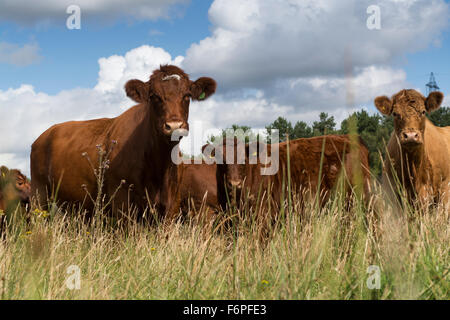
{"x":312,"y":254}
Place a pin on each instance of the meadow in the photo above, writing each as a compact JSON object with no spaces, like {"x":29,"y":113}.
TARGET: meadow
{"x":307,"y":253}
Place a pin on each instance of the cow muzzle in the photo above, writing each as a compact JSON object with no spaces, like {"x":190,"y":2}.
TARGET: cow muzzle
{"x":180,"y":127}
{"x":410,"y":138}
{"x":235,"y":184}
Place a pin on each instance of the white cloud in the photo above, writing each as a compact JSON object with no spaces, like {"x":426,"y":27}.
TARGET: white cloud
{"x":256,"y":42}
{"x":12,"y":53}
{"x":328,"y":93}
{"x":46,"y":11}
{"x":137,"y":63}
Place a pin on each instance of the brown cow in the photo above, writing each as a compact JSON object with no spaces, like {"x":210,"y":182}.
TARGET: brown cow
{"x":305,"y":159}
{"x":418,"y":153}
{"x":14,"y":188}
{"x":139,"y":141}
{"x":198,"y":187}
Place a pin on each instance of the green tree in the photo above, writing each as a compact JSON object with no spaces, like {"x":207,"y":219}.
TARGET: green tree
{"x":283,"y":126}
{"x":440,"y":117}
{"x":234,"y":131}
{"x":302,"y":130}
{"x":375,"y":131}
{"x":325,"y":125}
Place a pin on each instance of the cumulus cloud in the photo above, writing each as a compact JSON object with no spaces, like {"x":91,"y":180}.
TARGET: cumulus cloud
{"x":310,"y":56}
{"x":12,"y":53}
{"x":255,"y":42}
{"x":137,"y":63}
{"x":45,"y":11}
{"x":335,"y":92}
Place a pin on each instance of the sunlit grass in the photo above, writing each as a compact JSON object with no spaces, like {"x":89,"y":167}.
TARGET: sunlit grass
{"x":316,"y":254}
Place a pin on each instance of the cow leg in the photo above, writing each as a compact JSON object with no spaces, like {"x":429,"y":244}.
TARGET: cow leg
{"x":446,"y":196}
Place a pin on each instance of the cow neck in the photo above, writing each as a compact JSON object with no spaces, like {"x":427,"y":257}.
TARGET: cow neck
{"x":221,"y":196}
{"x":413,"y":162}
{"x":157,"y":151}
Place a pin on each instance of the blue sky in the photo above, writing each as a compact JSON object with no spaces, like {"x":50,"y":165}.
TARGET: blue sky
{"x":69,"y":57}
{"x":270,"y":58}
{"x":433,"y":59}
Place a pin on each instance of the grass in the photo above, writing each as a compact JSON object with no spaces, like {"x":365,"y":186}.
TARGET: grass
{"x":319,"y":254}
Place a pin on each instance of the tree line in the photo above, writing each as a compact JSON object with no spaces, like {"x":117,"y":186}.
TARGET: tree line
{"x":374,"y":129}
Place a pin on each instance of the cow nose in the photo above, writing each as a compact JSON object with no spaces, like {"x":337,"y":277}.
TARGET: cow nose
{"x":170,"y":127}
{"x":235,"y":183}
{"x":410,"y":136}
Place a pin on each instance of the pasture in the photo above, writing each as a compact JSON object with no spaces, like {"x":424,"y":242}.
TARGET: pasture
{"x":310,"y":253}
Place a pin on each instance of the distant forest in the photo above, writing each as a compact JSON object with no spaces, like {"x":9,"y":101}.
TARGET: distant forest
{"x":374,"y":129}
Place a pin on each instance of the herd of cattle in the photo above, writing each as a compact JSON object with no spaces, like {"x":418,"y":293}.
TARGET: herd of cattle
{"x":139,"y":146}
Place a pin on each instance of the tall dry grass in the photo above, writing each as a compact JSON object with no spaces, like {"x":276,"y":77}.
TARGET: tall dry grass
{"x":313,"y":254}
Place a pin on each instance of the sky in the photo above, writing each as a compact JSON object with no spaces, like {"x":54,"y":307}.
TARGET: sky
{"x":270,"y":58}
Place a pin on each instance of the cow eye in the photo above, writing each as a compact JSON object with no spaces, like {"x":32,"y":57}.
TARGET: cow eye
{"x":423,"y":112}
{"x":155,"y":98}
{"x":395,"y":114}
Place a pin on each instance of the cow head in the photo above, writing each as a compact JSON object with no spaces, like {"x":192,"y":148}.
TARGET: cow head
{"x":409,"y":109}
{"x":233,"y":157}
{"x":15,"y":186}
{"x":168,"y":94}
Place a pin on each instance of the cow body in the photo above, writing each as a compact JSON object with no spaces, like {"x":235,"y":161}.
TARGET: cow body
{"x":61,"y":155}
{"x":418,"y":153}
{"x":198,"y":186}
{"x":134,"y":149}
{"x":425,"y":172}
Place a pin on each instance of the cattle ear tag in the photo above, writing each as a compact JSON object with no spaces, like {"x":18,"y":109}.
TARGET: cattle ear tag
{"x":202,"y":96}
{"x":254,"y":153}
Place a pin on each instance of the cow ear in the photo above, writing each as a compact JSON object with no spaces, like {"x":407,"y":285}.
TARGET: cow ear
{"x":137,"y":90}
{"x":203,"y":88}
{"x":434,"y":100}
{"x":384,"y":105}
{"x":3,"y":172}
